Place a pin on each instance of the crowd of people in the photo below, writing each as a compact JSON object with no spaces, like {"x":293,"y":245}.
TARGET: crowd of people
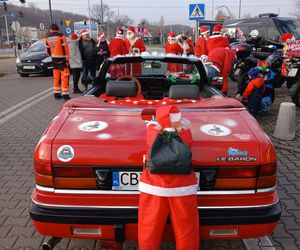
{"x":82,"y":54}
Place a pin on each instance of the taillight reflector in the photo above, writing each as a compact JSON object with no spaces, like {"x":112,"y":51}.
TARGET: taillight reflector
{"x":237,"y":172}
{"x":267,"y":169}
{"x":44,"y":180}
{"x":266,"y":181}
{"x":43,"y":168}
{"x":74,"y":183}
{"x":73,"y":171}
{"x":235,"y":183}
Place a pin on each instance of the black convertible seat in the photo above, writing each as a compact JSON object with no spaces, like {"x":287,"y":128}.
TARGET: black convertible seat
{"x":121,"y":88}
{"x":184,"y":92}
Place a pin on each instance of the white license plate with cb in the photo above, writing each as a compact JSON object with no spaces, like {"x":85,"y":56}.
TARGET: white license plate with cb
{"x":293,"y":72}
{"x":125,"y":180}
{"x":28,"y":67}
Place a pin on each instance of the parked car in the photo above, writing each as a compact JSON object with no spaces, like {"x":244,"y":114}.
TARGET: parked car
{"x":269,"y":26}
{"x":35,"y":60}
{"x":89,"y":159}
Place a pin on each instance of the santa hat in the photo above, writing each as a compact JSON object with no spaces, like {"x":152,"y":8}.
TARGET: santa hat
{"x":100,"y":35}
{"x":131,"y":29}
{"x":73,"y":36}
{"x":286,"y":37}
{"x":120,"y":33}
{"x":204,"y":30}
{"x":84,"y":32}
{"x":175,"y":115}
{"x":172,"y":35}
{"x":217,"y":28}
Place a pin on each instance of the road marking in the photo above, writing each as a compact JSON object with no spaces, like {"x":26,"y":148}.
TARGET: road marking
{"x":24,"y":102}
{"x":30,"y":102}
{"x":259,"y":243}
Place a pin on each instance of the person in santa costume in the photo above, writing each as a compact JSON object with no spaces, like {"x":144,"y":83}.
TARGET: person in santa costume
{"x":200,"y":46}
{"x":219,"y":63}
{"x":163,"y":195}
{"x":217,"y":39}
{"x":172,"y":48}
{"x":135,"y":46}
{"x":102,"y":49}
{"x":191,"y":49}
{"x":117,"y":47}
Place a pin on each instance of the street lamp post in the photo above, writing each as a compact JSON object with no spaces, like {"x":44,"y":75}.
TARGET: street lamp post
{"x":240,"y":8}
{"x":51,"y":19}
{"x":90,"y":27}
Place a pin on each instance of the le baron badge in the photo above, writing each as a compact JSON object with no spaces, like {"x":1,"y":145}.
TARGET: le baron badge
{"x":234,"y":155}
{"x":93,"y":126}
{"x":215,"y":130}
{"x":65,"y":153}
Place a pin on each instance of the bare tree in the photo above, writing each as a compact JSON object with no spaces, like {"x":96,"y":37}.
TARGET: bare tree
{"x":97,"y":13}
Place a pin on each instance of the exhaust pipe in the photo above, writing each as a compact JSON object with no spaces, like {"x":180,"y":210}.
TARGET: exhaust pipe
{"x":51,"y":243}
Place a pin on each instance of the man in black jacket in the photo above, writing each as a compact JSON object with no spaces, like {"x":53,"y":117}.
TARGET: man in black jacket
{"x":87,"y":47}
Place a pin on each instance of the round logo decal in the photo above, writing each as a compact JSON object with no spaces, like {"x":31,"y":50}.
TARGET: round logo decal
{"x":93,"y":126}
{"x":65,"y":153}
{"x":215,"y":130}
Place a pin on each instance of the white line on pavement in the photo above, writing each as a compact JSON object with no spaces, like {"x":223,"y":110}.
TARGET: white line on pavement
{"x":26,"y":106}
{"x":24,"y":102}
{"x":259,"y":243}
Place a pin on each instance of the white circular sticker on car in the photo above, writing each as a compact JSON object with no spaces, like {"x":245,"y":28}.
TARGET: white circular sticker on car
{"x":215,"y":130}
{"x":65,"y":153}
{"x":93,"y":126}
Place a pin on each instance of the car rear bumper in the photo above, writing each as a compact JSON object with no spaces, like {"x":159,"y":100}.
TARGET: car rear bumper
{"x":106,"y":216}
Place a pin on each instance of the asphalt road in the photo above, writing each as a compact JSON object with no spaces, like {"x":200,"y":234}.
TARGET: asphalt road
{"x":26,"y":108}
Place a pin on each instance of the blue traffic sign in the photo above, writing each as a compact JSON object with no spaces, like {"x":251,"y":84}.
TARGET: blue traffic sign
{"x":197,"y":11}
{"x":68,"y":31}
{"x":13,"y":14}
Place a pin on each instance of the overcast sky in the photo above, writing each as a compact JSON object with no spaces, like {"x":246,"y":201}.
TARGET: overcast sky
{"x":174,"y":11}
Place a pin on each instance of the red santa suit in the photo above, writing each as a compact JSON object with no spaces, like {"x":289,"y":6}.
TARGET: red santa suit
{"x":172,"y":48}
{"x":222,"y":58}
{"x":216,"y":40}
{"x":191,"y":46}
{"x":167,"y":194}
{"x":117,"y":47}
{"x":200,"y":46}
{"x":134,"y":45}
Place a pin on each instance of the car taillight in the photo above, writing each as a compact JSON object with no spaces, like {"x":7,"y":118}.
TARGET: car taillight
{"x":267,"y":175}
{"x":43,"y":168}
{"x":239,"y":177}
{"x":43,"y":174}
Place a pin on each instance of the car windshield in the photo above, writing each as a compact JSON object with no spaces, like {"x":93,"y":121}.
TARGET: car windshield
{"x":150,"y":68}
{"x":288,"y":26}
{"x":38,"y":46}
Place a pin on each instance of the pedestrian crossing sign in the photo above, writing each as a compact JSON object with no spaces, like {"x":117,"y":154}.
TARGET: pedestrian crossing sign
{"x":196,"y":12}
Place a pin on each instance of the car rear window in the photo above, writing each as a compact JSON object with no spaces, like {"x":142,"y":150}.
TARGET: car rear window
{"x":288,"y":26}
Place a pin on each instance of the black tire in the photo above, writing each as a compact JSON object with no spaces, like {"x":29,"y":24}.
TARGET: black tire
{"x":23,"y":75}
{"x":295,"y":98}
{"x":242,"y":82}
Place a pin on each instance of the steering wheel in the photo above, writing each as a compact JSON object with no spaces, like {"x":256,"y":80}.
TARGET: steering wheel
{"x":136,"y":81}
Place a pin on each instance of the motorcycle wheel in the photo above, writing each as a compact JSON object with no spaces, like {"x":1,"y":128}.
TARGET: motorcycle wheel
{"x":242,"y":82}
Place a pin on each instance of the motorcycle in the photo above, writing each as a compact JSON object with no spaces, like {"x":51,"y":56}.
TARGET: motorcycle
{"x":290,"y":70}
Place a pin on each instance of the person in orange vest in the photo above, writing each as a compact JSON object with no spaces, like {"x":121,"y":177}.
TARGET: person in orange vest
{"x":200,"y":46}
{"x":219,"y":63}
{"x":217,"y":39}
{"x":117,"y":47}
{"x":135,"y":46}
{"x":58,"y":49}
{"x":172,"y":48}
{"x":168,"y":194}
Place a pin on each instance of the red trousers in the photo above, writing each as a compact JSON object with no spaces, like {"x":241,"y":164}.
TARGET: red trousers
{"x":152,"y":217}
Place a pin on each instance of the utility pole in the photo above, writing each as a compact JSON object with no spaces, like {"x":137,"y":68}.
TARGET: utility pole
{"x":240,"y":8}
{"x":90,"y":25}
{"x":102,"y":13}
{"x":51,"y":19}
{"x":6,"y":26}
{"x":212,"y":11}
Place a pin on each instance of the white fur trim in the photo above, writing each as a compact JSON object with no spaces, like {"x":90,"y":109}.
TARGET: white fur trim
{"x":175,"y":117}
{"x":167,"y":192}
{"x":170,"y":129}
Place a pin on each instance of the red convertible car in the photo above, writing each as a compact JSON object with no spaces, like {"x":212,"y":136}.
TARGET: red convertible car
{"x":89,"y":160}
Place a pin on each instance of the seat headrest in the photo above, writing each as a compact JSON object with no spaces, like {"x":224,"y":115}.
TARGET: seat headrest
{"x":184,"y":92}
{"x":121,"y":88}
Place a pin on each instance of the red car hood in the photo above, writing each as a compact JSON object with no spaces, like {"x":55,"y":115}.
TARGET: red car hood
{"x":117,"y":137}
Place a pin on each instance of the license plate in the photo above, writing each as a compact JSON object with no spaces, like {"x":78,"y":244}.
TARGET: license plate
{"x":237,"y":71}
{"x":122,"y":180}
{"x":293,"y":72}
{"x":28,"y":67}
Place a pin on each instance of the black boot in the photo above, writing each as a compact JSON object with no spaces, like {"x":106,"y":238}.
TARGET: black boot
{"x":57,"y":96}
{"x":66,"y":97}
{"x":77,"y":91}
